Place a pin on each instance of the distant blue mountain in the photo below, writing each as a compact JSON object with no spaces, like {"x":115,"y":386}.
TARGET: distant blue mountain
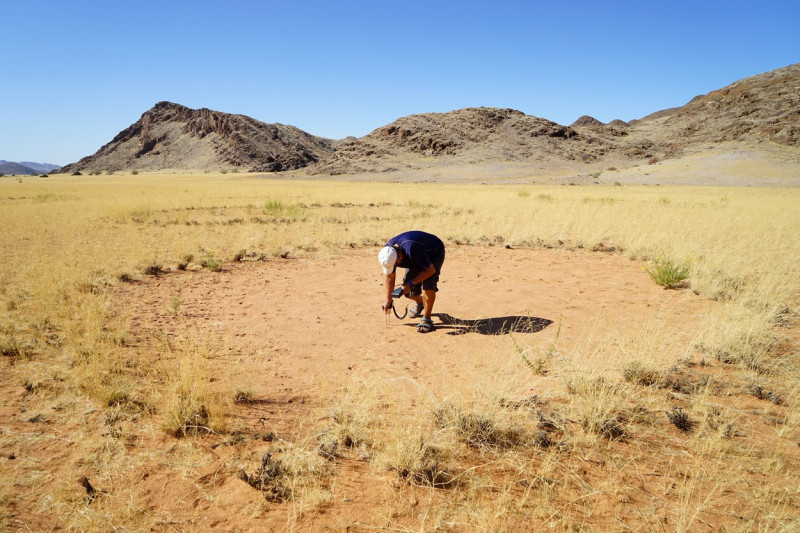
{"x":39,"y":167}
{"x":25,"y":168}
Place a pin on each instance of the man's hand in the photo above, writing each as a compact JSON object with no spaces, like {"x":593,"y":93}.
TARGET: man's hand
{"x":387,"y":306}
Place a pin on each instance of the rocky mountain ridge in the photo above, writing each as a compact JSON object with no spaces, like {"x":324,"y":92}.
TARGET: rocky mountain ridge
{"x":174,"y":137}
{"x":755,"y":110}
{"x":765,"y":107}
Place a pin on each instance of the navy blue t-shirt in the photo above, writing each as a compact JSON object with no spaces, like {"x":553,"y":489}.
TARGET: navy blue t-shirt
{"x":419,"y":248}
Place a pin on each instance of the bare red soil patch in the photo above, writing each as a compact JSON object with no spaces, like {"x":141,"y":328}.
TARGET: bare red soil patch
{"x":312,"y":323}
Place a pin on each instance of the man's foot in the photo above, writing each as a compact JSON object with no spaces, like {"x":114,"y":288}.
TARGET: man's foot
{"x":425,"y":326}
{"x":416,"y":311}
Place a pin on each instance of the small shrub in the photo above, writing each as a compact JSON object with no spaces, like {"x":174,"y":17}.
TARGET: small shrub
{"x":185,"y":260}
{"x":77,"y":173}
{"x":668,"y":274}
{"x":211,"y":263}
{"x":290,"y":473}
{"x":610,"y":428}
{"x":152,"y":270}
{"x":176,"y":303}
{"x":680,"y":419}
{"x":542,"y":439}
{"x":759,"y":392}
{"x":718,"y":422}
{"x":269,"y":479}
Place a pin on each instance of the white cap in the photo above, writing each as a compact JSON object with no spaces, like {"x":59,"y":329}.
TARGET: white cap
{"x":387,"y":257}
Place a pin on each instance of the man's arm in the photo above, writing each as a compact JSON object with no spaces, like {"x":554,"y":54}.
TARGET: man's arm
{"x":389,"y":281}
{"x":422,"y":276}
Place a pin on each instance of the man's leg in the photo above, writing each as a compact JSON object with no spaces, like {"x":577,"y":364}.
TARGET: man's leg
{"x":430,"y":285}
{"x":418,"y":299}
{"x":428,"y":297}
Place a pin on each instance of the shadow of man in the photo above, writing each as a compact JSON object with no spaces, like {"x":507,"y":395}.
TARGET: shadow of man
{"x":492,"y":326}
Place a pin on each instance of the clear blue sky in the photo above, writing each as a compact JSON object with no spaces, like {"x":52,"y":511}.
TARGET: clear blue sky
{"x":75,"y":73}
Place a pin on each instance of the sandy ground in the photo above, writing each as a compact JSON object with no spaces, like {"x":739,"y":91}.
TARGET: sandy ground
{"x":312,"y":324}
{"x":295,"y":330}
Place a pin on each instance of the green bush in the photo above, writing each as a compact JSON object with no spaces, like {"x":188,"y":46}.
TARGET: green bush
{"x":211,"y":263}
{"x":669,"y":274}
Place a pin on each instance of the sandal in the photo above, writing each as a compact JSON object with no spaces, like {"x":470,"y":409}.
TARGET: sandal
{"x":425,"y":326}
{"x":416,"y":311}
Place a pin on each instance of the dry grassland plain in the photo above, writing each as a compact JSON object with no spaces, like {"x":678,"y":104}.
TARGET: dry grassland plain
{"x":113,"y":421}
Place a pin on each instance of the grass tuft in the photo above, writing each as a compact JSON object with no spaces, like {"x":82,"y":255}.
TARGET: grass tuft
{"x":189,"y":408}
{"x":599,"y":404}
{"x":479,"y":430}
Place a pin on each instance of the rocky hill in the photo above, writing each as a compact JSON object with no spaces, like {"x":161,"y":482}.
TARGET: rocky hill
{"x":173,"y":137}
{"x":762,"y":110}
{"x":757,"y":109}
{"x":482,"y":136}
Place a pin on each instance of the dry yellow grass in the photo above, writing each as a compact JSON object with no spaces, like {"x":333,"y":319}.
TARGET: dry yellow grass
{"x":67,"y":240}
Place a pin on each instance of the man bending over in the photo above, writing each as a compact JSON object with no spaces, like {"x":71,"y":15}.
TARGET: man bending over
{"x":422,"y":255}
